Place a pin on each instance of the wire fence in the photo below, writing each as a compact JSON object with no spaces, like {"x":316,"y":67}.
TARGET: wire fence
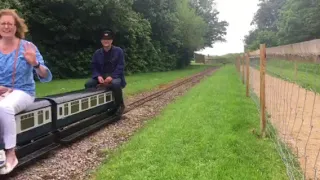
{"x":286,"y":91}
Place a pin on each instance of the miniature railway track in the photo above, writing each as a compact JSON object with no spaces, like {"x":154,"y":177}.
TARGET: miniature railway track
{"x":143,"y":100}
{"x":129,"y":108}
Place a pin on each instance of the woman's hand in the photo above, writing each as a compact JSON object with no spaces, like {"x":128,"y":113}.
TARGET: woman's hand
{"x":30,"y":54}
{"x":3,"y":89}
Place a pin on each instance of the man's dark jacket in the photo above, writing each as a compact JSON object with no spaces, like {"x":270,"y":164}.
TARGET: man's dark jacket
{"x":117,"y":63}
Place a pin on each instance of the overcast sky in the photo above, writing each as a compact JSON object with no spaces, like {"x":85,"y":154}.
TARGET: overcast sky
{"x":239,"y":14}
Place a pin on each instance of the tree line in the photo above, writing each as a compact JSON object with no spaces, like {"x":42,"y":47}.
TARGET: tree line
{"x":156,"y":35}
{"x":280,"y":22}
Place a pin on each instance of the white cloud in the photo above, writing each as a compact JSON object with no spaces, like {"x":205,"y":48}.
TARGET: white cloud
{"x":239,"y":15}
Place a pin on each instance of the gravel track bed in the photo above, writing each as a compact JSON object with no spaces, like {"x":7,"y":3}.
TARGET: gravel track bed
{"x":77,"y":160}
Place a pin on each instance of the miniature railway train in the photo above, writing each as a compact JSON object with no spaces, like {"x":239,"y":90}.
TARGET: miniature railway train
{"x":60,"y":119}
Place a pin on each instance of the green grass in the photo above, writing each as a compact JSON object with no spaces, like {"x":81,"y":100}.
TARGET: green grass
{"x":308,"y":74}
{"x":135,"y":83}
{"x":206,"y":134}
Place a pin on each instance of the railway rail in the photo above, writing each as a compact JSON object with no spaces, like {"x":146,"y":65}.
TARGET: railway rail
{"x":143,"y":100}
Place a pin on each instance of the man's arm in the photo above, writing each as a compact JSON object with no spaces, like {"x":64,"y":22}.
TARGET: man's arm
{"x":120,"y":66}
{"x":95,"y":66}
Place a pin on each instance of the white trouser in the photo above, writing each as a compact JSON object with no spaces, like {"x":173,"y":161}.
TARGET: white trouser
{"x":12,"y":104}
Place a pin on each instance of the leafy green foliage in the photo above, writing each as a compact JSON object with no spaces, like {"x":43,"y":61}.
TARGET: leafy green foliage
{"x":299,"y":21}
{"x":281,"y":22}
{"x":217,"y":29}
{"x":155,"y":35}
{"x":10,"y":4}
{"x":68,"y":34}
{"x":258,"y":37}
{"x":267,"y":15}
{"x":266,"y":22}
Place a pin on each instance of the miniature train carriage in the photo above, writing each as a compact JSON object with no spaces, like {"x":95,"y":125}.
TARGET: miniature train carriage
{"x":61,"y":118}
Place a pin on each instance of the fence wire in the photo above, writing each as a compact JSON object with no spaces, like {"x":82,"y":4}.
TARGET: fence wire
{"x":293,"y":110}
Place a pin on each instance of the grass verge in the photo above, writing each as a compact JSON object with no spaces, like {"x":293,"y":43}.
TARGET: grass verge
{"x":206,"y":134}
{"x":135,"y":83}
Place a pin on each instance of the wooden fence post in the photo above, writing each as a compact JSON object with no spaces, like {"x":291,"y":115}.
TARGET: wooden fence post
{"x":243,"y":67}
{"x":238,"y":64}
{"x":248,"y":73}
{"x":295,"y":70}
{"x":262,"y":88}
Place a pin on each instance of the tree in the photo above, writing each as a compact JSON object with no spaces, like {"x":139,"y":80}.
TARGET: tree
{"x":299,"y":21}
{"x":216,"y":29}
{"x":267,"y":16}
{"x":266,"y":21}
{"x":281,"y":22}
{"x":156,"y":35}
{"x":68,"y":33}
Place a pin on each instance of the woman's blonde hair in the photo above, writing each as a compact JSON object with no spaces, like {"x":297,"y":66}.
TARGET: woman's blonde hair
{"x":19,"y":22}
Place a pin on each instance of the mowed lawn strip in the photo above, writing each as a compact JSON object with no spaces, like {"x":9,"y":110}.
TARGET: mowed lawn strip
{"x":206,"y":134}
{"x":135,"y":83}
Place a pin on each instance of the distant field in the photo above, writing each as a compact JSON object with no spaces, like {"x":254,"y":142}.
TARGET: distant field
{"x":206,"y":134}
{"x":135,"y":83}
{"x":308,"y":74}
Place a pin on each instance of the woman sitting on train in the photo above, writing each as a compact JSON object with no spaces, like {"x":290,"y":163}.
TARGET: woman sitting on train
{"x":18,"y":58}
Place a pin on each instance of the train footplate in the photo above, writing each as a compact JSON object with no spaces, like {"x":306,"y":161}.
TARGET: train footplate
{"x":28,"y":159}
{"x":35,"y":149}
{"x":87,"y":126}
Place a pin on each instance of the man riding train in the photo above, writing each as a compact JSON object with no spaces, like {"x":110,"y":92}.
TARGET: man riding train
{"x":108,"y":69}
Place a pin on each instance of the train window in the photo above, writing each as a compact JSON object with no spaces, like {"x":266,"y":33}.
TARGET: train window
{"x":60,"y":111}
{"x":66,"y":109}
{"x":101,"y":99}
{"x":93,"y":101}
{"x":27,"y":121}
{"x":74,"y":106}
{"x":108,"y":97}
{"x":85,"y":103}
{"x":40,"y":117}
{"x":47,"y":115}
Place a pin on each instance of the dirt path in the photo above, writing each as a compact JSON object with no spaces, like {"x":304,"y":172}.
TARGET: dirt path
{"x":295,"y":113}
